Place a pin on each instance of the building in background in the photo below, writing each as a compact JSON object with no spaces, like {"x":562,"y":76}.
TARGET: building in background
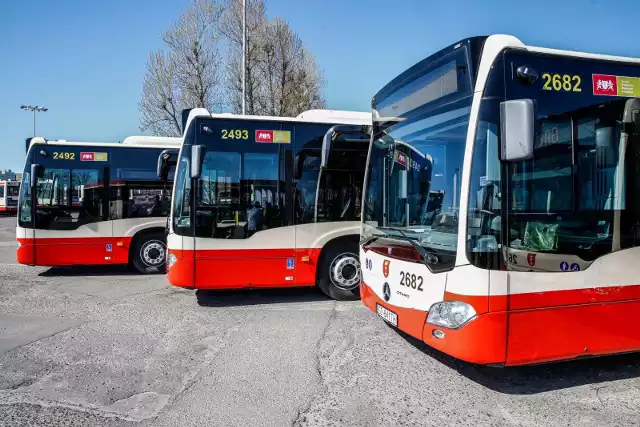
{"x":8,"y":175}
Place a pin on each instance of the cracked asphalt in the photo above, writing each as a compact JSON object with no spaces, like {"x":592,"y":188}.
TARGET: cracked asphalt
{"x":105,"y":347}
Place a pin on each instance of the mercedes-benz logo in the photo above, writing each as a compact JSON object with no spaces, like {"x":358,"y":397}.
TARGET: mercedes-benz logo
{"x":386,"y":292}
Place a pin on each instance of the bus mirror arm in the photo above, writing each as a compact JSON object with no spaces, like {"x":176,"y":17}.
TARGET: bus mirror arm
{"x":297,"y":166}
{"x":197,"y":158}
{"x":37,"y":171}
{"x":517,"y":119}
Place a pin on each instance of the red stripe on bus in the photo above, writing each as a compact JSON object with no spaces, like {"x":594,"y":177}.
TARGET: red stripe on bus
{"x":531,"y":300}
{"x":599,"y":326}
{"x":558,"y":333}
{"x":243,"y":268}
{"x":59,"y":252}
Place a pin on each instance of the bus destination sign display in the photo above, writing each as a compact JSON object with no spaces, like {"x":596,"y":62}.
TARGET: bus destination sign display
{"x":273,"y":136}
{"x":608,"y":85}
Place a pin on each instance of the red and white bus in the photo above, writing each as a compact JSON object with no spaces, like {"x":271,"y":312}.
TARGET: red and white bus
{"x":95,"y":203}
{"x":528,"y":250}
{"x":269,"y":202}
{"x":9,"y":192}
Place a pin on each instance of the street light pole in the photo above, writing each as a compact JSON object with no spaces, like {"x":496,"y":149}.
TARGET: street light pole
{"x":34,"y":108}
{"x":244,"y":55}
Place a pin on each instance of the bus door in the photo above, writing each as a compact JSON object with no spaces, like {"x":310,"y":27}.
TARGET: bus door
{"x":70,"y":208}
{"x":242,"y":232}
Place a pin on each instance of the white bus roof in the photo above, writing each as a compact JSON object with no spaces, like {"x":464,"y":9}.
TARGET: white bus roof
{"x":310,"y":116}
{"x":130,"y":141}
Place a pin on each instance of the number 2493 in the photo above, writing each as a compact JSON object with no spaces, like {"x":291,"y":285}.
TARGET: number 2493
{"x":235,"y":134}
{"x":561,"y":82}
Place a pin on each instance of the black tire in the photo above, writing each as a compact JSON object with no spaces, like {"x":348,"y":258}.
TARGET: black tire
{"x":340,"y":257}
{"x":149,"y":253}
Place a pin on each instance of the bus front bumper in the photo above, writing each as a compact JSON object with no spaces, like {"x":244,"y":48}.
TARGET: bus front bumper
{"x":482,"y":340}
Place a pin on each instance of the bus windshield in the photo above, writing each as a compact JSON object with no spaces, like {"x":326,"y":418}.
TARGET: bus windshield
{"x":414,"y":177}
{"x":564,"y":199}
{"x":117,"y":183}
{"x":247,"y":183}
{"x":13,"y":190}
{"x":415,"y":162}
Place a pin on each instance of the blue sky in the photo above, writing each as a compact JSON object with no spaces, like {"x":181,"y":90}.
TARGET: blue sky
{"x":85,"y":60}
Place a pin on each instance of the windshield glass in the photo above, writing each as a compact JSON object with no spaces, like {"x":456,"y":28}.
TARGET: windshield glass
{"x":13,"y":190}
{"x":241,"y":187}
{"x":414,"y":171}
{"x":564,"y":200}
{"x":414,"y":177}
{"x":575,"y":200}
{"x":117,"y":183}
{"x":247,"y":185}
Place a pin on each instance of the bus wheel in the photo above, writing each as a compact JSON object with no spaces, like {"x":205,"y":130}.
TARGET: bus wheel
{"x":339,"y":275}
{"x":150,"y":253}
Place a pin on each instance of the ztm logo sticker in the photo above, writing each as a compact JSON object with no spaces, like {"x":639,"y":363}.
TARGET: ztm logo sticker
{"x":385,"y":267}
{"x":605,"y":85}
{"x":93,"y":157}
{"x":264,"y":136}
{"x":275,"y":136}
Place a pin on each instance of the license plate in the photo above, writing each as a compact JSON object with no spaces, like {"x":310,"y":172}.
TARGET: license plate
{"x":388,"y":315}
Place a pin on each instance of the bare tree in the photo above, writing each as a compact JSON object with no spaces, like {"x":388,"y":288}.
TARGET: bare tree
{"x":282,"y":77}
{"x":292,"y":82}
{"x":188,"y":76}
{"x":160,"y":90}
{"x":231,"y":28}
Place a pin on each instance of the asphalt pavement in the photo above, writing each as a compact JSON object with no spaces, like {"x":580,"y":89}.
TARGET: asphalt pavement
{"x":108,"y":347}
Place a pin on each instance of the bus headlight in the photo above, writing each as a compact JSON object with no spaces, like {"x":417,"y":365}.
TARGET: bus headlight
{"x":450,"y":314}
{"x":171,"y":259}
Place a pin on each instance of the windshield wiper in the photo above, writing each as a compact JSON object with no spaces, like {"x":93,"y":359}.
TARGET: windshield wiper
{"x":371,"y":239}
{"x":426,"y":257}
{"x":423,"y":253}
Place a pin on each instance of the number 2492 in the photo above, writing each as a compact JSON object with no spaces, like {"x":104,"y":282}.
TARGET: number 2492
{"x":561,"y":82}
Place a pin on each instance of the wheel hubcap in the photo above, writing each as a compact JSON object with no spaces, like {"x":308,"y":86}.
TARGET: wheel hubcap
{"x":345,"y":271}
{"x":153,"y":253}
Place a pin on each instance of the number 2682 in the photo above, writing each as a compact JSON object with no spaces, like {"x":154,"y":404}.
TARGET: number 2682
{"x":561,"y":82}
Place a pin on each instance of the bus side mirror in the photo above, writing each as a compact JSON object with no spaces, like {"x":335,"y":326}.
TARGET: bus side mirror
{"x":164,"y":164}
{"x":517,"y":132}
{"x":297,"y":166}
{"x":37,"y":171}
{"x":402,"y":184}
{"x":160,"y":169}
{"x":197,"y":158}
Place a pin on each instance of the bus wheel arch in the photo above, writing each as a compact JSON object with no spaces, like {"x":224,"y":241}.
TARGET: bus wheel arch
{"x":148,"y":251}
{"x":338,"y":271}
